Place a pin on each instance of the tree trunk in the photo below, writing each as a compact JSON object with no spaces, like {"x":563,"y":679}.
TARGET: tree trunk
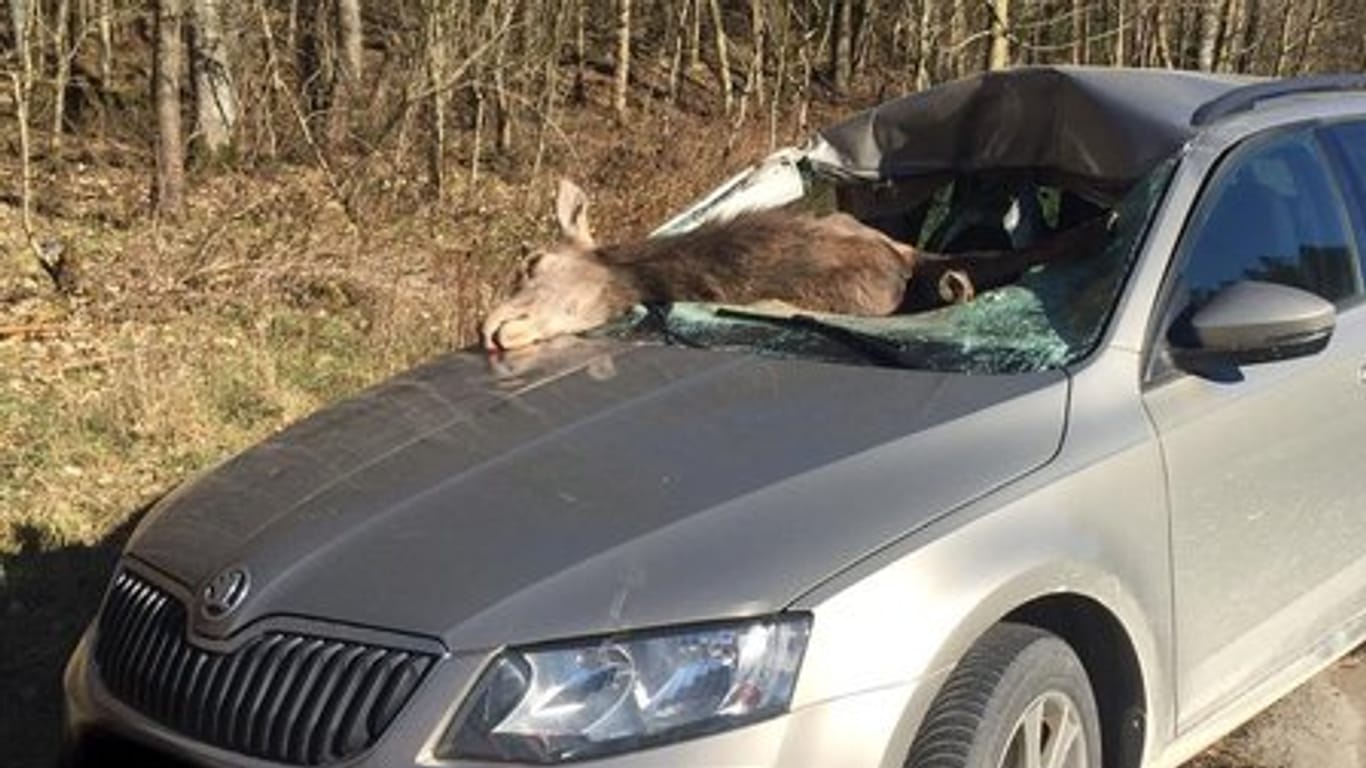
{"x":1163,"y":41}
{"x":1079,"y":32}
{"x":169,"y":189}
{"x":958,"y":34}
{"x":623,"y":68}
{"x":676,"y":59}
{"x":755,"y":84}
{"x":1121,"y":34}
{"x":64,"y":48}
{"x":722,"y":56}
{"x":22,"y":88}
{"x":216,"y":106}
{"x":1282,"y":49}
{"x":502,"y":139}
{"x":580,"y":52}
{"x":694,"y":35}
{"x":1308,"y":41}
{"x":436,"y":107}
{"x":842,"y":46}
{"x":1248,"y":22}
{"x":106,"y":23}
{"x":864,"y":54}
{"x":1000,"y":35}
{"x":924,"y":44}
{"x":346,"y":89}
{"x":1209,"y":34}
{"x":314,"y":63}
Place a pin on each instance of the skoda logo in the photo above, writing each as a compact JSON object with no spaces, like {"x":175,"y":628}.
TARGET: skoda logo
{"x":225,"y":593}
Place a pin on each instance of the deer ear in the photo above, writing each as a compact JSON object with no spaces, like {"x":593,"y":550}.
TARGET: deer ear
{"x":571,"y":211}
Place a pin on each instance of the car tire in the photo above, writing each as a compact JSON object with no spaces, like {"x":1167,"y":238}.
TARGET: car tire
{"x":1018,"y":690}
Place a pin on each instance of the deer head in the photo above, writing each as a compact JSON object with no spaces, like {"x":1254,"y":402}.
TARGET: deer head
{"x":564,"y":288}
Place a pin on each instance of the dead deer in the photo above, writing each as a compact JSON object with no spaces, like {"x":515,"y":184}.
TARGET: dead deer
{"x":830,"y":264}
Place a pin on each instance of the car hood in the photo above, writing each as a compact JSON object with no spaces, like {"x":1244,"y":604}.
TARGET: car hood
{"x":593,"y":488}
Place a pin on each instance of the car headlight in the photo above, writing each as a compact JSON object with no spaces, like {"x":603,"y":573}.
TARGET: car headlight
{"x":572,"y":701}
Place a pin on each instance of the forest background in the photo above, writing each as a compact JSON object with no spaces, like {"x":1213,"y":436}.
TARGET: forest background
{"x":218,"y":215}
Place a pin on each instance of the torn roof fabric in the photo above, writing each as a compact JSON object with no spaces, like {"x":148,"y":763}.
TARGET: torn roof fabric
{"x":1090,"y":128}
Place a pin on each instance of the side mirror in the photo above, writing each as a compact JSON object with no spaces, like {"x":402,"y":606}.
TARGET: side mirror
{"x":1254,"y":322}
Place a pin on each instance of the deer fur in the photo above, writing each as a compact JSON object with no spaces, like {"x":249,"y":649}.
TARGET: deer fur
{"x":830,"y":264}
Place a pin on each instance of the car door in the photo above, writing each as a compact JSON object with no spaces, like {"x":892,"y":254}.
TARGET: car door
{"x":1266,"y":488}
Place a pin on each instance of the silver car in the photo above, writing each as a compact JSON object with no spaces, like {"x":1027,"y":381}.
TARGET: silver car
{"x":1096,"y":517}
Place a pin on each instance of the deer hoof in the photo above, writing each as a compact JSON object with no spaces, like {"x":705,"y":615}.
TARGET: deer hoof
{"x":955,"y":287}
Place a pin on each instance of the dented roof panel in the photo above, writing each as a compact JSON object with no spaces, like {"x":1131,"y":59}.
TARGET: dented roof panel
{"x":1095,"y":129}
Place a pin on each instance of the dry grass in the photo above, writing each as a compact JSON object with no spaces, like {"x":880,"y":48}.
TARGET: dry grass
{"x":187,"y":342}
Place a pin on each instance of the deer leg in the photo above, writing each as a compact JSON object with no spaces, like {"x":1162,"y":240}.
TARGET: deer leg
{"x":959,"y":276}
{"x":955,"y":287}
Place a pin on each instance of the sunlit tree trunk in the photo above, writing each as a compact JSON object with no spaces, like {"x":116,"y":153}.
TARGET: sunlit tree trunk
{"x":436,"y":106}
{"x":755,"y":78}
{"x":1309,"y":38}
{"x":999,"y":57}
{"x":1121,"y":33}
{"x":924,"y":44}
{"x":1210,"y":19}
{"x":346,"y":88}
{"x":21,"y":82}
{"x":694,"y":34}
{"x":106,"y":25}
{"x":169,"y":189}
{"x":722,"y":56}
{"x":216,"y":106}
{"x":1079,"y":32}
{"x":623,"y":63}
{"x":63,"y":48}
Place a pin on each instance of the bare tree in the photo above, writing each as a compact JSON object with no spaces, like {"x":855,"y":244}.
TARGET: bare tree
{"x":842,"y":45}
{"x":623,"y":64}
{"x":64,"y":49}
{"x":1247,"y":39}
{"x":1210,"y":17}
{"x":106,"y":25}
{"x":924,"y":44}
{"x":169,"y":187}
{"x":216,"y":106}
{"x":694,"y":34}
{"x":1121,"y":33}
{"x":437,"y":64}
{"x":22,"y":89}
{"x":722,"y":55}
{"x":1079,"y":32}
{"x":346,"y":90}
{"x":999,"y":57}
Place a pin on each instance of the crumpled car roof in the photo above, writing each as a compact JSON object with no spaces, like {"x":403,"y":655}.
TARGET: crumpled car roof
{"x":1093,"y":129}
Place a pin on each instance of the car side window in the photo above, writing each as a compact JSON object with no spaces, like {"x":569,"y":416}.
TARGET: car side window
{"x":1275,"y":215}
{"x":1347,"y":144}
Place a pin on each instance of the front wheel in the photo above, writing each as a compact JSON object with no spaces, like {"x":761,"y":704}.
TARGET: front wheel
{"x":1019,"y":698}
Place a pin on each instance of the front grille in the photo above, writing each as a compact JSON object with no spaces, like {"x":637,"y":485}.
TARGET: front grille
{"x":281,"y":696}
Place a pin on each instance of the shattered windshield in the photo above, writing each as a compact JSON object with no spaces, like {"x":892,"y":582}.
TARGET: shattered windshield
{"x":1052,"y":315}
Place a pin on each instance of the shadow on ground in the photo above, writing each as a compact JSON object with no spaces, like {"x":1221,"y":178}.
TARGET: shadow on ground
{"x":47,"y":596}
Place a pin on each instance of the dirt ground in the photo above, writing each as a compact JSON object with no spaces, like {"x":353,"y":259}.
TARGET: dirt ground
{"x":1322,"y":724}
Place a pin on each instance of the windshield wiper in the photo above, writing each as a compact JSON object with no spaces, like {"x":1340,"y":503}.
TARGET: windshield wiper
{"x":658,"y":316}
{"x":871,"y":347}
